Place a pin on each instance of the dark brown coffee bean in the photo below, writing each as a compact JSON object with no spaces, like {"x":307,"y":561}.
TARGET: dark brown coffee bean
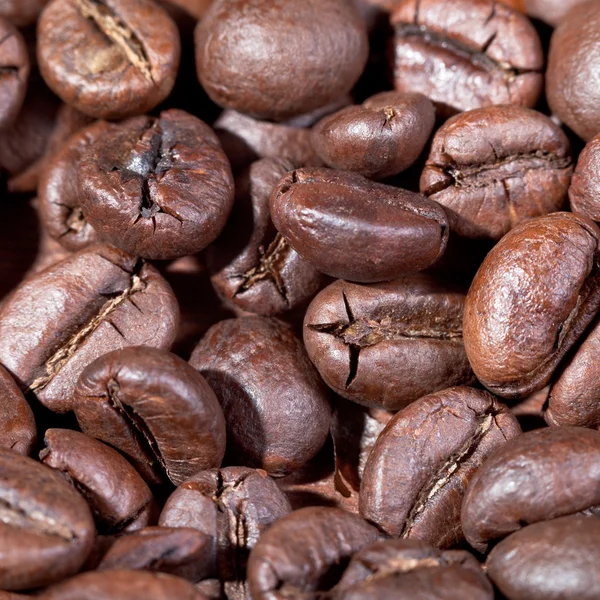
{"x":494,"y":167}
{"x":60,"y":320}
{"x":532,"y":298}
{"x":277,"y":59}
{"x":585,"y":185}
{"x":117,"y":495}
{"x":388,"y":344}
{"x":49,"y":253}
{"x":329,"y":217}
{"x":158,"y":188}
{"x":276,"y":407}
{"x":466,"y":55}
{"x":554,"y":559}
{"x":21,"y":12}
{"x":253,"y":268}
{"x":382,"y":137}
{"x":17,"y":423}
{"x":541,"y":475}
{"x":46,"y":528}
{"x":108,"y":58}
{"x":303,"y":553}
{"x":154,"y":408}
{"x":417,"y":473}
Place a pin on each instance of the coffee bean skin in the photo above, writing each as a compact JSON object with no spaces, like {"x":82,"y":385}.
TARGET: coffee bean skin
{"x":58,"y":321}
{"x":515,"y":166}
{"x":471,"y":54}
{"x":386,"y":345}
{"x":252,"y":55}
{"x":382,"y":137}
{"x":109,"y":59}
{"x":276,"y":407}
{"x":585,"y":185}
{"x":117,"y":495}
{"x":550,"y":560}
{"x":418,"y":471}
{"x":329,"y":217}
{"x":533,"y":296}
{"x":155,"y":408}
{"x":293,"y":558}
{"x":46,"y":531}
{"x":158,"y":188}
{"x":17,"y":423}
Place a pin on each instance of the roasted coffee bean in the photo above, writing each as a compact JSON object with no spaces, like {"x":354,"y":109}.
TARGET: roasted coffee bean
{"x":412,"y":570}
{"x":278,"y":59}
{"x":253,"y":268}
{"x":492,"y":168}
{"x":303,"y":554}
{"x":117,"y":495}
{"x":466,"y":55}
{"x":417,"y":473}
{"x":388,"y":344}
{"x":46,"y":528}
{"x":554,"y":559}
{"x":541,"y":475}
{"x":21,"y":12}
{"x":154,"y":408}
{"x":49,"y":253}
{"x":330,"y":217}
{"x":60,"y":320}
{"x":585,"y":185}
{"x":17,"y":423}
{"x":276,"y":407}
{"x":158,"y":188}
{"x":14,"y":72}
{"x":108,"y":58}
{"x":382,"y":137}
{"x":551,"y":12}
{"x":532,"y":298}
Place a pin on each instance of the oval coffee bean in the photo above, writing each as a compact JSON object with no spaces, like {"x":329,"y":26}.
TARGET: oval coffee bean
{"x":418,"y":471}
{"x":46,"y":528}
{"x":382,"y":137}
{"x":585,"y":185}
{"x":17,"y":424}
{"x":154,"y":408}
{"x":518,"y":485}
{"x":108,"y":58}
{"x":494,"y":167}
{"x":294,"y":558}
{"x":329,"y":217}
{"x":60,"y":320}
{"x":119,"y":498}
{"x":466,"y":55}
{"x":277,"y":409}
{"x":553,"y":559}
{"x":533,"y":296}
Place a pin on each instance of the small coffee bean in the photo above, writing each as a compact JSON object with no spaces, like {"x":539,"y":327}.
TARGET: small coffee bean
{"x":17,"y":423}
{"x":585,"y":185}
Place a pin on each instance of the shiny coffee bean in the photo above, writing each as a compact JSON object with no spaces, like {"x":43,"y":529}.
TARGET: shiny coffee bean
{"x":14,"y":72}
{"x":585,"y":185}
{"x":276,"y":407}
{"x":111,"y":58}
{"x":518,"y":484}
{"x":17,"y":423}
{"x":117,"y":495}
{"x":60,"y":320}
{"x":493,"y":168}
{"x":418,"y":471}
{"x":329,"y":217}
{"x":154,"y":408}
{"x":386,"y":345}
{"x":532,"y":298}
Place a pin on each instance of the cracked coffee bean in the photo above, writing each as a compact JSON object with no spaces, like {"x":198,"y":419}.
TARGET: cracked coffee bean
{"x":329,"y":217}
{"x":386,"y":345}
{"x":539,"y":476}
{"x":17,"y":423}
{"x":276,"y":407}
{"x":584,"y":193}
{"x":46,"y":528}
{"x":154,"y":408}
{"x":532,"y":298}
{"x":60,"y":320}
{"x":119,"y":498}
{"x":14,"y":72}
{"x":515,"y":166}
{"x":382,"y":137}
{"x":467,"y":54}
{"x":316,"y":52}
{"x":420,"y":466}
{"x":252,"y":266}
{"x":159,"y":188}
{"x":108,"y":58}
